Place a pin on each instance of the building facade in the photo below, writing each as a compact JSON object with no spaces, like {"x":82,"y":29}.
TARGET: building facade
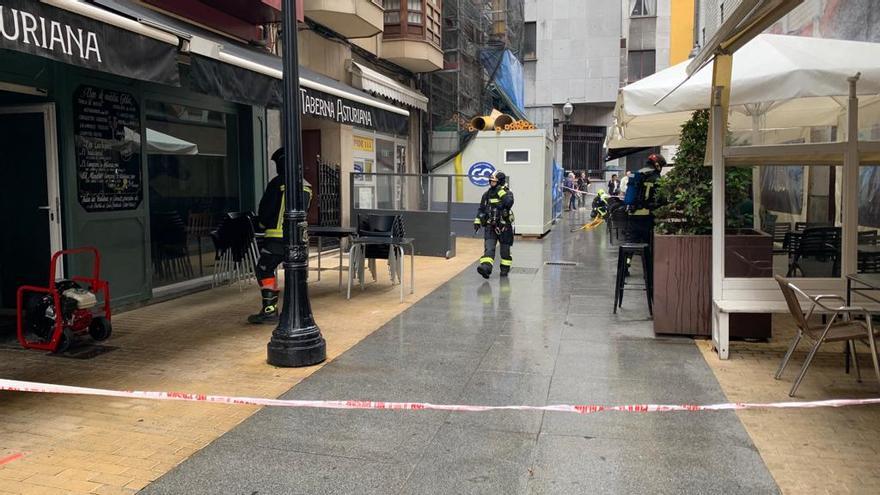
{"x":855,"y":20}
{"x":583,"y":54}
{"x":576,"y":60}
{"x":135,"y":127}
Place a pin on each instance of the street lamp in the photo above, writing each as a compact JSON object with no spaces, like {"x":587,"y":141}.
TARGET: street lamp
{"x":567,"y":110}
{"x":297,"y":340}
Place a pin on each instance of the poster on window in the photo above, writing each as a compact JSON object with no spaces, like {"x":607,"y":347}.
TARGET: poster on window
{"x":869,"y":196}
{"x":782,"y":189}
{"x":107,"y":135}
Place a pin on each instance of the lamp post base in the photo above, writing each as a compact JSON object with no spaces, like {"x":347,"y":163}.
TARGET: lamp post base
{"x":305,"y":349}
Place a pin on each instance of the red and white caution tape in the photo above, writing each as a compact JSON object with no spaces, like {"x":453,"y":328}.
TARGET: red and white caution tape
{"x":23,"y":386}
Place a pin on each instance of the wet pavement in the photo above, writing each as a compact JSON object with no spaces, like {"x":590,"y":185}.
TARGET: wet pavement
{"x":545,"y":335}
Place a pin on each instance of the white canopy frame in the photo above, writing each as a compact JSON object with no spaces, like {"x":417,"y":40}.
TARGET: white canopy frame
{"x":851,"y":154}
{"x":782,"y":86}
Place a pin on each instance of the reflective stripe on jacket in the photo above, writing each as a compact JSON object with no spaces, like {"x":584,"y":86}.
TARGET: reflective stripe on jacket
{"x":277,"y":226}
{"x":495,"y":207}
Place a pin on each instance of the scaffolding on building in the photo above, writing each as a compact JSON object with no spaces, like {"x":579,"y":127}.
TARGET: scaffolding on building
{"x":460,"y":91}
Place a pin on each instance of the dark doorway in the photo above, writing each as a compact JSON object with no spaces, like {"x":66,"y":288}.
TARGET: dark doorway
{"x":24,"y":208}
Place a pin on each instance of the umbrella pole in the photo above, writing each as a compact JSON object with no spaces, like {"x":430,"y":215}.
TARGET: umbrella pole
{"x":756,"y":171}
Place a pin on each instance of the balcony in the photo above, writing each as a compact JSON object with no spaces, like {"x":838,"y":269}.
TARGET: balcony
{"x":350,"y":18}
{"x":412,"y":34}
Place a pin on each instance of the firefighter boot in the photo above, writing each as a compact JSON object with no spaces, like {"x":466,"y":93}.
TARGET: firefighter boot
{"x":506,"y":263}
{"x":269,"y":313}
{"x":484,"y":269}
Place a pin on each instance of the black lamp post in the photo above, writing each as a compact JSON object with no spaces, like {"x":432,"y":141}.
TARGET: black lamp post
{"x":297,"y":340}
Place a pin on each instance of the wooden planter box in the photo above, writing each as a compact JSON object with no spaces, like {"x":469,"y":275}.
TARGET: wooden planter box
{"x":683,"y":284}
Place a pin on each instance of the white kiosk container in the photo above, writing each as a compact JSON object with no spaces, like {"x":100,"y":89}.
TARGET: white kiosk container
{"x":526,"y":158}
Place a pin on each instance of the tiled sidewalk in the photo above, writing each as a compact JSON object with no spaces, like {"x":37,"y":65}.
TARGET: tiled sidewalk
{"x":198,"y":343}
{"x":806,"y":450}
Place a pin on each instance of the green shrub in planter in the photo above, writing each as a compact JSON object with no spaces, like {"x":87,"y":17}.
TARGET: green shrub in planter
{"x":686,"y":191}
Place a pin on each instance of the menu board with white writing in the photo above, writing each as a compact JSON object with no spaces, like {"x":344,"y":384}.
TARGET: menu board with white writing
{"x":107,"y":131}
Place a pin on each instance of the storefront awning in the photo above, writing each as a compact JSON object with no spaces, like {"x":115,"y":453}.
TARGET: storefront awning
{"x":87,"y":36}
{"x":374,"y":82}
{"x":235,"y":72}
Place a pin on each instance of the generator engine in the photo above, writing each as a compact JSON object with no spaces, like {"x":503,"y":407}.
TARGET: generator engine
{"x":77,"y":316}
{"x":51,"y":318}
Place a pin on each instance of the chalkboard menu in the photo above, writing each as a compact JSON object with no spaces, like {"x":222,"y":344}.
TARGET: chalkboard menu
{"x":107,"y":132}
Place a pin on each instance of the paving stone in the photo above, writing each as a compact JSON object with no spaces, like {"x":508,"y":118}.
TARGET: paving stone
{"x":565,"y":464}
{"x":495,"y":388}
{"x":511,"y":354}
{"x":464,"y":460}
{"x":256,"y":469}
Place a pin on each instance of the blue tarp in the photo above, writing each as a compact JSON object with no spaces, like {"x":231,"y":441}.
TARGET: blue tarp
{"x":508,"y":75}
{"x":558,"y":177}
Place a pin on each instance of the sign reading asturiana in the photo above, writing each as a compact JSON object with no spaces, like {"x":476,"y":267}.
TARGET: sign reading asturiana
{"x":321,"y":105}
{"x":39,"y":29}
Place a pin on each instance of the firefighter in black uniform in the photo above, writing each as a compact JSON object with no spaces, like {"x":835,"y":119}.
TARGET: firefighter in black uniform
{"x":600,"y":204}
{"x":496,"y":217}
{"x":640,"y":225}
{"x":271,"y":219}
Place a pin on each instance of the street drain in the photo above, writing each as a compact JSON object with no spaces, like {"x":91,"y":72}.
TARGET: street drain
{"x":522,"y":270}
{"x":562,"y":263}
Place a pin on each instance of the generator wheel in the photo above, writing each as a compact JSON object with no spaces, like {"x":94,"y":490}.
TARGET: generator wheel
{"x":100,"y":329}
{"x":64,"y":341}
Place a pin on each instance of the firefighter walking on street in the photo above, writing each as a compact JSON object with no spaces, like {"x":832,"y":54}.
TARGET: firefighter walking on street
{"x":270,"y":216}
{"x":495,"y":217}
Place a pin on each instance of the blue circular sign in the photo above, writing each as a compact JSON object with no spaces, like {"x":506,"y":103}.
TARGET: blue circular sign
{"x":479,"y":173}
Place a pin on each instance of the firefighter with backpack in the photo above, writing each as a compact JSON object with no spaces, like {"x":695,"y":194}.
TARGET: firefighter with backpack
{"x":641,"y":200}
{"x":496,"y":219}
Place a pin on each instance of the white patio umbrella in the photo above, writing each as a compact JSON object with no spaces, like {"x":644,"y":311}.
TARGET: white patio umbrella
{"x":165,"y":144}
{"x":159,"y":143}
{"x":781,"y":85}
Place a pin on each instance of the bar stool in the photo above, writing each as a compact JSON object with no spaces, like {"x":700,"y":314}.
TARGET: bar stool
{"x":629,"y":250}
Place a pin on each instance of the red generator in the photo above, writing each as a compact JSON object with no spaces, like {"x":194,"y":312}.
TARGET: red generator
{"x":51,"y":318}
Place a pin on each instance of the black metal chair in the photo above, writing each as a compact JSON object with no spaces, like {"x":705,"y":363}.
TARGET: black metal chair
{"x":169,"y":246}
{"x":617,"y":221}
{"x":869,"y":263}
{"x":374,"y":225}
{"x":817,"y":245}
{"x":779,"y":231}
{"x":868,"y":238}
{"x":802,"y":226}
{"x":236,"y":250}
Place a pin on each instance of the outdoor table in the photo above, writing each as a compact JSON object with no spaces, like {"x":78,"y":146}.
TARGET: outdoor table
{"x":335,"y":233}
{"x":359,"y":242}
{"x":865,"y":285}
